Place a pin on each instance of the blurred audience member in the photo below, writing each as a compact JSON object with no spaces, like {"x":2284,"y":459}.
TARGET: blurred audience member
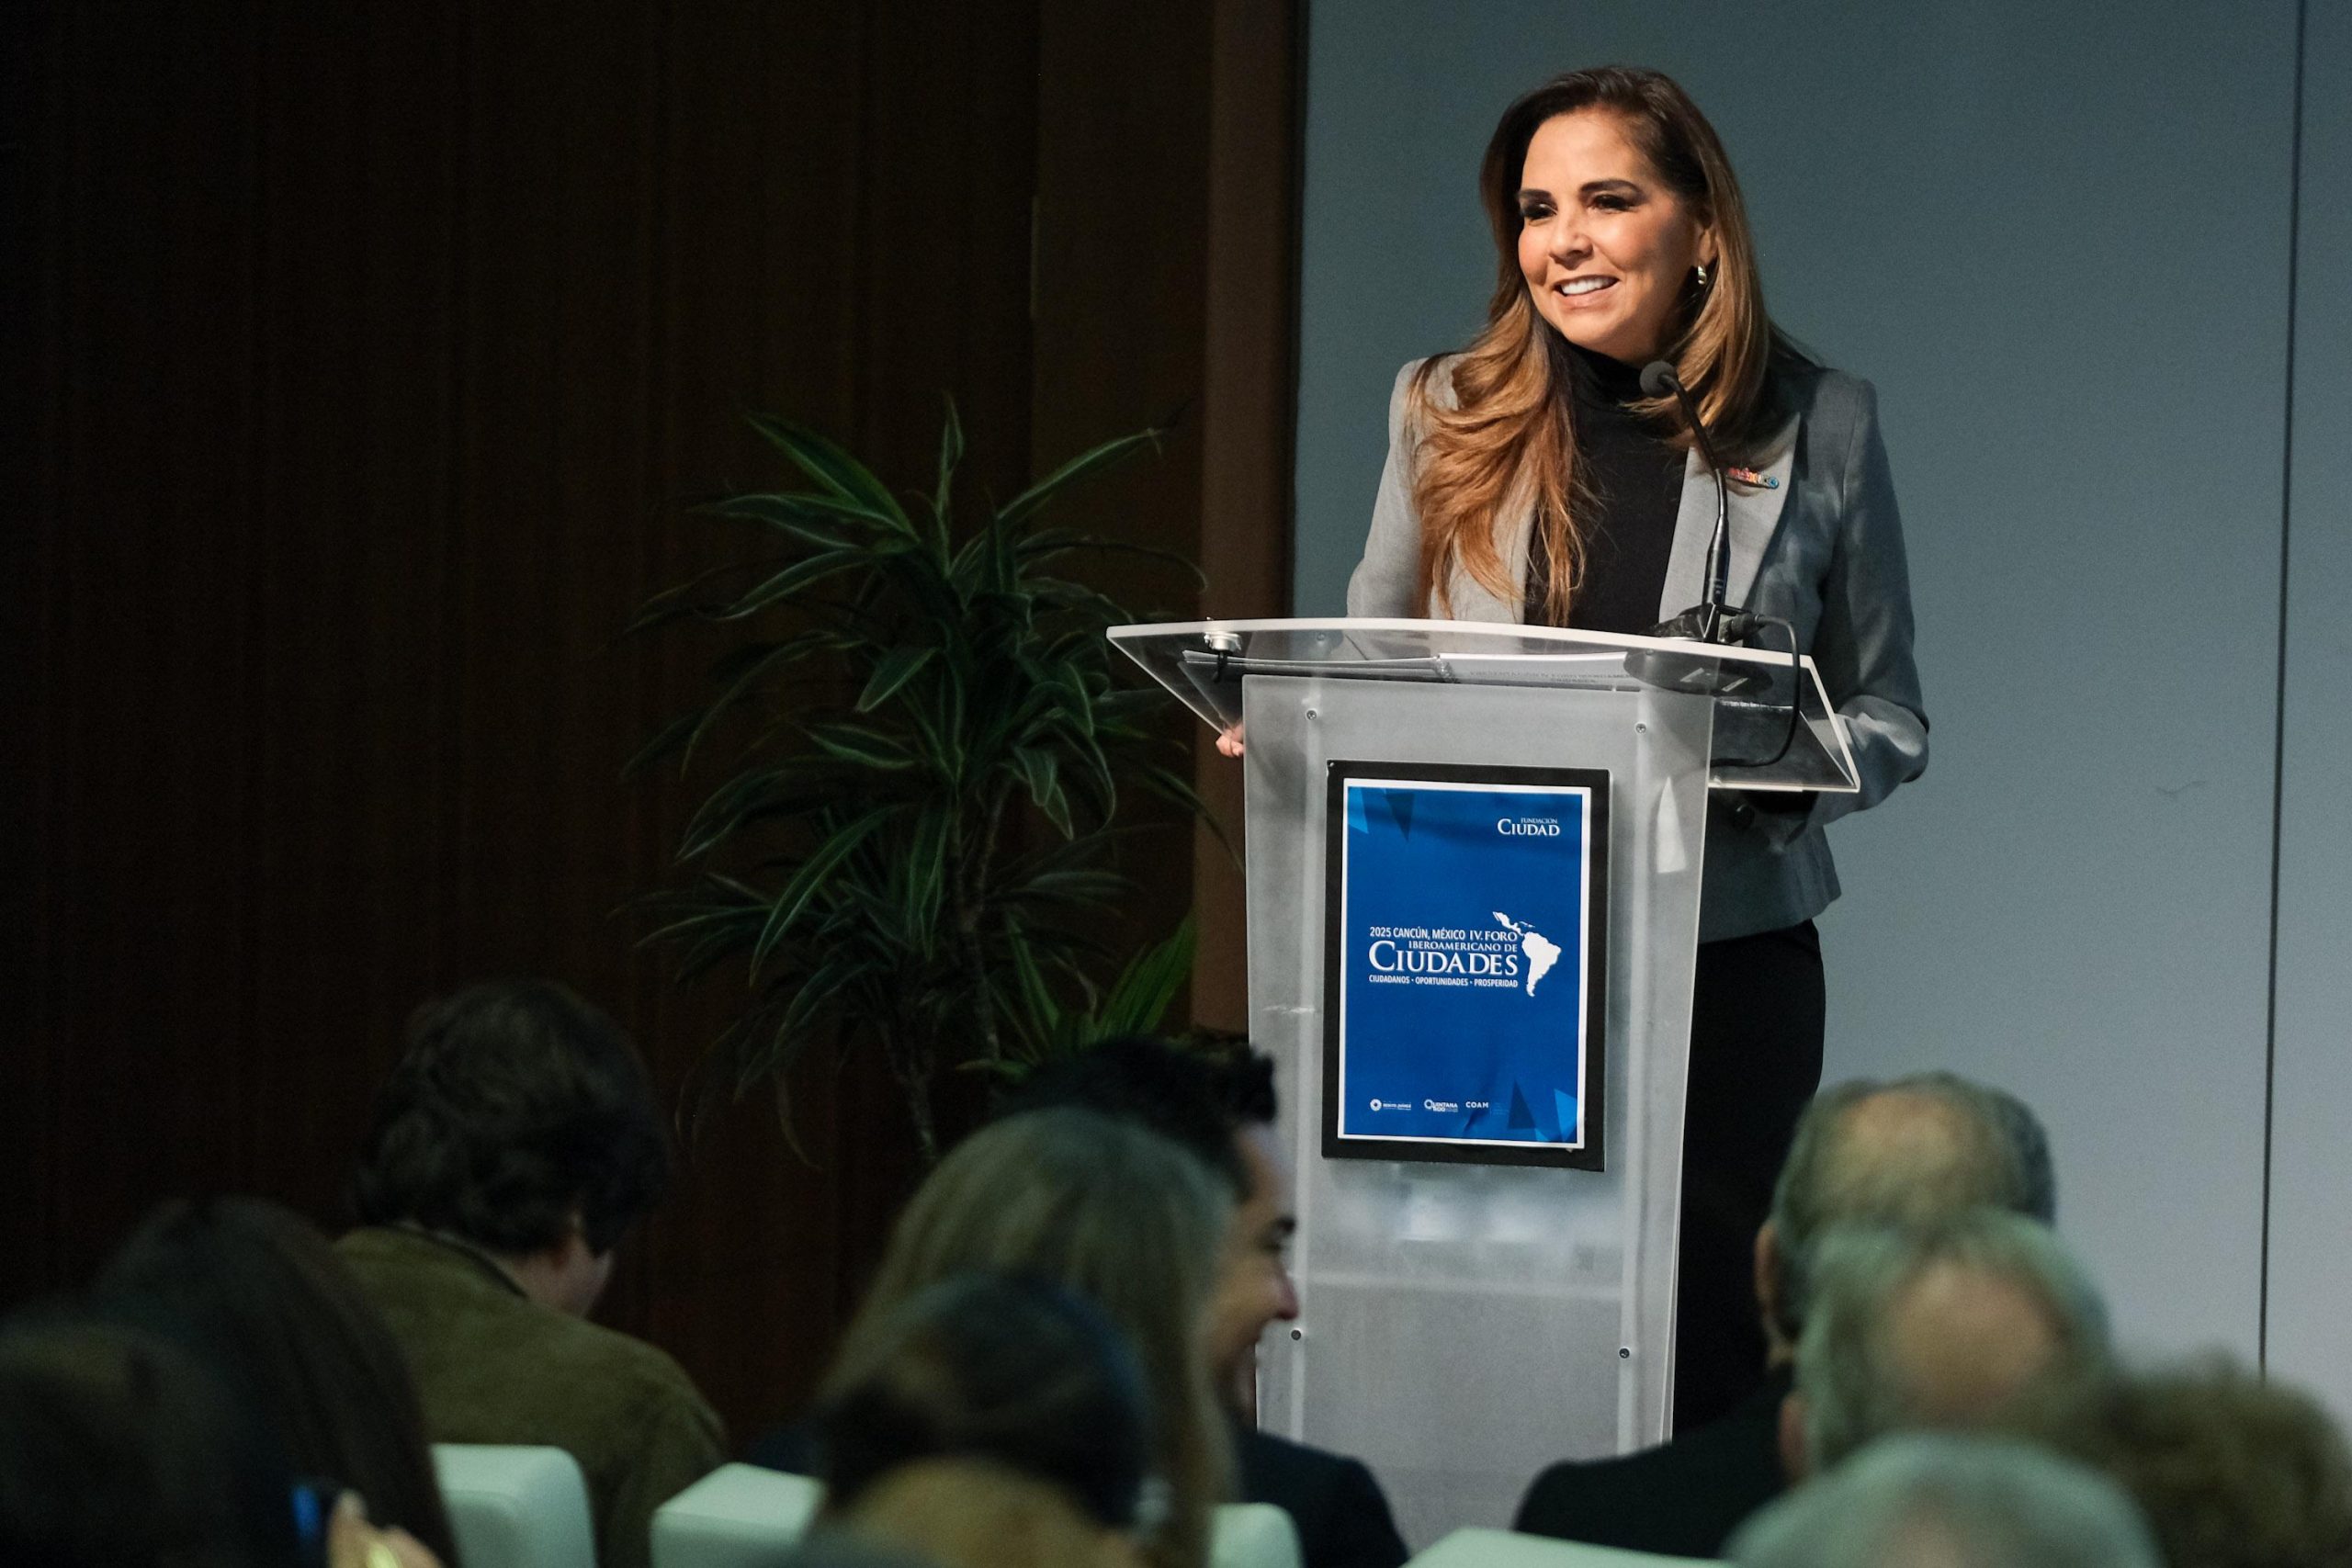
{"x":514,"y":1144}
{"x":262,"y":1294}
{"x":2232,"y":1471}
{"x":1223,"y":1109}
{"x":1116,"y":1214}
{"x":1906,"y":1153}
{"x":1945,"y":1326}
{"x":986,"y":1422}
{"x":1912,"y":1151}
{"x":119,"y":1448}
{"x":1949,"y":1501}
{"x":847,"y":1549}
{"x":354,"y":1543}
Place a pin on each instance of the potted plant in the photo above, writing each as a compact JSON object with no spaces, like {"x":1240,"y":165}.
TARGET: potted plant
{"x":912,"y":849}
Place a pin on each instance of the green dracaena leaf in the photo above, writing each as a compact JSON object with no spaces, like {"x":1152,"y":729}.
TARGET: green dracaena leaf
{"x":717,"y":818}
{"x":795,"y":579}
{"x":925,"y":871}
{"x":1076,"y":697}
{"x":764,"y":789}
{"x":1072,"y":890}
{"x":1139,"y":1000}
{"x":1045,"y":546}
{"x":685,"y":599}
{"x":1089,"y":605}
{"x":833,"y":468}
{"x":770,"y":658}
{"x":1091,"y":462}
{"x":895,"y":670}
{"x":951,"y":456}
{"x":1094,"y":767}
{"x":1172,"y":786}
{"x":696,"y":923}
{"x":841,"y":969}
{"x":1037,"y":997}
{"x":1042,"y":772}
{"x":665,"y":740}
{"x":798,"y":517}
{"x":915,"y":573}
{"x":711,"y":949}
{"x":712,"y":830}
{"x":857,"y":743}
{"x":939,"y":749}
{"x":795,"y":894}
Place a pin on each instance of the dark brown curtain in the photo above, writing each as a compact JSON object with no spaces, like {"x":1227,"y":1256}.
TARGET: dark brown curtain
{"x":359,"y":358}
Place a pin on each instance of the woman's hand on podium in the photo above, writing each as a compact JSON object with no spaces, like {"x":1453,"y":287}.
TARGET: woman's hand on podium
{"x":1229,"y":741}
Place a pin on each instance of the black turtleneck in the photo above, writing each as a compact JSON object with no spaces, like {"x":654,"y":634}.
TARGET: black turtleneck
{"x":1632,"y":480}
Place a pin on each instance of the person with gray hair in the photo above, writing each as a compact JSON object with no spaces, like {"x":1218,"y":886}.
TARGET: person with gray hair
{"x":1942,"y":1326}
{"x":1955,"y":1502}
{"x":1905,"y":1151}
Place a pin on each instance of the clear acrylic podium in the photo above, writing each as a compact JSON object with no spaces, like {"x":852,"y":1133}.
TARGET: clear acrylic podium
{"x":1463,"y":1325}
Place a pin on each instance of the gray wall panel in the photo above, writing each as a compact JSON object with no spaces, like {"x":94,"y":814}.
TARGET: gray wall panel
{"x":2311,"y":1259}
{"x":2056,"y":238}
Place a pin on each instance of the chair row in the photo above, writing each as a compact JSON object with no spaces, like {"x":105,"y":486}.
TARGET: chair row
{"x":527,"y":1507}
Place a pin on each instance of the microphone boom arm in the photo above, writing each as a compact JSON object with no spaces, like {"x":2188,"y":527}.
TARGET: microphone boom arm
{"x":1705,"y":622}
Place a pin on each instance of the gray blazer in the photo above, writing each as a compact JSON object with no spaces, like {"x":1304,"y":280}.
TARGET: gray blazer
{"x":1822,"y":550}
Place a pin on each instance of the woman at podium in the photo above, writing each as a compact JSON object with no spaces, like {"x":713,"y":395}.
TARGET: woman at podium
{"x":1530,"y":478}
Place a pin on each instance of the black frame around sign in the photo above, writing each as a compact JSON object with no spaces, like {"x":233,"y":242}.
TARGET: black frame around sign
{"x":1591,"y":1155}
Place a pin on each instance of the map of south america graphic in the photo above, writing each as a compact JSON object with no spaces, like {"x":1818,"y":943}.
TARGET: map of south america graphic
{"x":1541,"y":950}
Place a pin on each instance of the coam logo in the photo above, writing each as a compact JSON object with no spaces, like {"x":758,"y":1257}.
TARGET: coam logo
{"x":1529,"y":826}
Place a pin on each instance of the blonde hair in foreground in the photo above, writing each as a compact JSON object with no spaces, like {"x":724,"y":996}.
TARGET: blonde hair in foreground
{"x":1504,"y":442}
{"x":1119,"y":1215}
{"x":961,"y":1513}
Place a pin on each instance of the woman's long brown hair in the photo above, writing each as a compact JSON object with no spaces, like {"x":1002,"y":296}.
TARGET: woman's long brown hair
{"x":1505,"y":442}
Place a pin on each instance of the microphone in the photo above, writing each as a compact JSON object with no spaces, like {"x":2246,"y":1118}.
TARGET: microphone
{"x":1705,"y":622}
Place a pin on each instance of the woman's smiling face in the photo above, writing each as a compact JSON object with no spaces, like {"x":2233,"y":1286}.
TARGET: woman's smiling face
{"x":1607,"y":249}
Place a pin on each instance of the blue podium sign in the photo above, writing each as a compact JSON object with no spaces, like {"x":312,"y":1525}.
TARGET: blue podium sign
{"x":1464,"y":931}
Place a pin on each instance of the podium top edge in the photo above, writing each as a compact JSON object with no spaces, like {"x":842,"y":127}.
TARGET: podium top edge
{"x":1570,"y":640}
{"x":1203,"y":664}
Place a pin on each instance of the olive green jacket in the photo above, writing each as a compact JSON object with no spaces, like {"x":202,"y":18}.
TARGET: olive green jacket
{"x":492,"y":1366}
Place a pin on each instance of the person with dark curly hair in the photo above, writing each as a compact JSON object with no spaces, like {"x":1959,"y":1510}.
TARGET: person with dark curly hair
{"x":514,"y":1144}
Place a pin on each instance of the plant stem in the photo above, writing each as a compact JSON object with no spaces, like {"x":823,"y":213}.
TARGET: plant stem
{"x":914,"y":1068}
{"x":967,"y":928}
